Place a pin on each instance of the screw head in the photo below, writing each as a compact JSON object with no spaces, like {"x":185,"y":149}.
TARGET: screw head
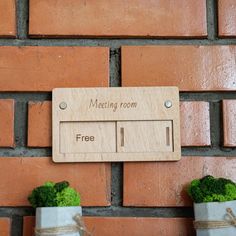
{"x":168,"y":104}
{"x":63,"y":105}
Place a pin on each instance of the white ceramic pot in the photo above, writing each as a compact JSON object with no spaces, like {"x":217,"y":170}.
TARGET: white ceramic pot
{"x":214,"y":211}
{"x":49,"y":217}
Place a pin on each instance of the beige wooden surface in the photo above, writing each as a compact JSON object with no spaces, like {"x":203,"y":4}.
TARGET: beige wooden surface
{"x":116,"y":124}
{"x":79,"y":137}
{"x":144,"y":136}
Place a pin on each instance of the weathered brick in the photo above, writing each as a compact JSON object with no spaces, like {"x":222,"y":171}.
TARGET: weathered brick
{"x":191,"y":68}
{"x":164,"y":183}
{"x":135,"y":226}
{"x":142,"y":18}
{"x":40,"y":124}
{"x":92,"y":180}
{"x":5,"y":226}
{"x":195,"y":124}
{"x":6,"y":123}
{"x":7,"y":18}
{"x":227,"y":18}
{"x":45,"y":68}
{"x":229,"y":118}
{"x":28,"y":225}
{"x":126,"y":226}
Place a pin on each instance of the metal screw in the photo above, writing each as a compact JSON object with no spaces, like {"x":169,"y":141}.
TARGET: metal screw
{"x":168,"y":104}
{"x":63,"y":105}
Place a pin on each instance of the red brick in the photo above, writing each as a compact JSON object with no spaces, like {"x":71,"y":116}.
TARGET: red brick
{"x":7,"y":18}
{"x":5,"y":226}
{"x":6,"y":123}
{"x":122,"y":226}
{"x":227,"y":18}
{"x":191,"y":68}
{"x":164,"y":183}
{"x":139,"y":226}
{"x":145,"y":18}
{"x":195,"y":124}
{"x":28,"y":225}
{"x":40,"y":115}
{"x":45,"y":68}
{"x":229,"y":117}
{"x":18,"y":176}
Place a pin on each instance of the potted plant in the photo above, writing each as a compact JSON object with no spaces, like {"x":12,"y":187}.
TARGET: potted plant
{"x":214,"y":206}
{"x":58,"y":210}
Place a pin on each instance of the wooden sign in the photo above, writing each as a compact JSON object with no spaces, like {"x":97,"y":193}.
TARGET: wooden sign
{"x":116,"y":124}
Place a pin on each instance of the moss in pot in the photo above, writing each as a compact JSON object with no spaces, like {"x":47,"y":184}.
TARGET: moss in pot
{"x":58,"y":210}
{"x":214,"y":206}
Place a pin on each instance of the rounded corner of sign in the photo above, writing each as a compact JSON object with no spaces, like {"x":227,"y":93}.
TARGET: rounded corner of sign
{"x":175,"y":88}
{"x":177,"y":157}
{"x":55,"y":160}
{"x":54,"y":90}
{"x":57,"y":90}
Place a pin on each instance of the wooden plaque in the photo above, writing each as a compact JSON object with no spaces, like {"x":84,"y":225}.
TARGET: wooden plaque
{"x":116,"y":124}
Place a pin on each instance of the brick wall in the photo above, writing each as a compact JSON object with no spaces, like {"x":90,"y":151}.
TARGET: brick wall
{"x":76,"y":43}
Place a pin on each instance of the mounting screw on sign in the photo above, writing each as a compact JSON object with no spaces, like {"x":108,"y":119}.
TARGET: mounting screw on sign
{"x":63,"y":105}
{"x":168,"y":104}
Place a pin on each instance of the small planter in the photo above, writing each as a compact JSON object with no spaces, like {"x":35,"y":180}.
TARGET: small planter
{"x":215,"y":211}
{"x":53,"y":217}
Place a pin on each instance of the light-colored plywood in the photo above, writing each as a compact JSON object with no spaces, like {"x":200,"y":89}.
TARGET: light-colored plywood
{"x":82,"y":137}
{"x":116,"y":124}
{"x":144,"y":136}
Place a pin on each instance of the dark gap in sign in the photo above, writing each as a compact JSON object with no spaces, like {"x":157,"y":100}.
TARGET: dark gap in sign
{"x":167,"y":136}
{"x":122,"y":133}
{"x":116,"y":137}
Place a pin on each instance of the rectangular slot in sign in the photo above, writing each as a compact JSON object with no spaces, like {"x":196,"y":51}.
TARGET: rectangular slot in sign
{"x":144,"y":136}
{"x":87,"y":137}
